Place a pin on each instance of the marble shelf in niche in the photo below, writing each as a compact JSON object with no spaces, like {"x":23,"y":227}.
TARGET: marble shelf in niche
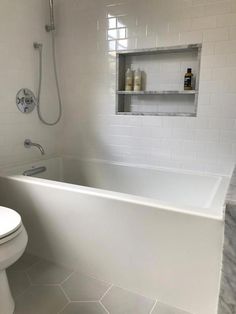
{"x":164,"y":92}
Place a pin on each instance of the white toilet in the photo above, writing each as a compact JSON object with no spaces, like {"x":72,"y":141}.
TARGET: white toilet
{"x":13,"y":241}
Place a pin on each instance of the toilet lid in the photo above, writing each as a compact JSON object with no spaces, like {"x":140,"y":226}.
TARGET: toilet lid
{"x":10,"y":221}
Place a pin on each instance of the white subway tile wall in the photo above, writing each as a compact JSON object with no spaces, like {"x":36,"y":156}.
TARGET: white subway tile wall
{"x":89,"y":34}
{"x":22,"y":23}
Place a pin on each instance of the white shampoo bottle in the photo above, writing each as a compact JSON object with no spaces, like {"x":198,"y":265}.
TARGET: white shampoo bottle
{"x":129,"y":80}
{"x":137,"y":80}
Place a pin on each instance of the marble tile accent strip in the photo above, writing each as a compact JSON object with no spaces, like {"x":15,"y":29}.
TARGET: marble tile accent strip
{"x":227,"y":298}
{"x":231,"y":195}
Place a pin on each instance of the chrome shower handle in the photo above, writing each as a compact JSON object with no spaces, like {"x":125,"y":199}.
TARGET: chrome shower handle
{"x":34,"y":171}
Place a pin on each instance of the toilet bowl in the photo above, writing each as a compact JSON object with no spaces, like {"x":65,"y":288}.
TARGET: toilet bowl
{"x":13,"y":241}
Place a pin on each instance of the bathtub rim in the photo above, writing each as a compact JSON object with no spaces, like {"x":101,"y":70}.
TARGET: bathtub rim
{"x":123,"y":197}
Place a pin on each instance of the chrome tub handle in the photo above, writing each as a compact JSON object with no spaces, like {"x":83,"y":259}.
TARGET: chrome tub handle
{"x":34,"y":171}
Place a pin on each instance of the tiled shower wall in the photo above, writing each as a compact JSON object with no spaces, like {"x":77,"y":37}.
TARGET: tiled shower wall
{"x":88,"y":34}
{"x":21,"y":23}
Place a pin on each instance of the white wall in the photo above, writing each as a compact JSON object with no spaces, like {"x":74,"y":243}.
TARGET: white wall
{"x":87,"y":75}
{"x":92,"y":130}
{"x":21,"y":23}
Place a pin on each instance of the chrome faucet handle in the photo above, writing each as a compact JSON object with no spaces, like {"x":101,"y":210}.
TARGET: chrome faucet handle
{"x":25,"y":100}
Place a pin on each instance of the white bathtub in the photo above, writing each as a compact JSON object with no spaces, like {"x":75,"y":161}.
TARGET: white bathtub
{"x":156,"y":232}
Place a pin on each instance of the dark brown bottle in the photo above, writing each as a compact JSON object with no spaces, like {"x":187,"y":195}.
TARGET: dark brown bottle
{"x":188,"y":80}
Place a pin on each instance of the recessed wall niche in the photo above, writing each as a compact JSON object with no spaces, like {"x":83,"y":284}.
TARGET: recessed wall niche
{"x":163,"y":70}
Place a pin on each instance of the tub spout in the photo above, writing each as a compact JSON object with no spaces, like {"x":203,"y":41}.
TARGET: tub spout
{"x":28,"y":144}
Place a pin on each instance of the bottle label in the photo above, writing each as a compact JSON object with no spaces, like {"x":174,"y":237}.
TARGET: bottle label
{"x":128,"y":84}
{"x":188,"y":81}
{"x":137,"y":82}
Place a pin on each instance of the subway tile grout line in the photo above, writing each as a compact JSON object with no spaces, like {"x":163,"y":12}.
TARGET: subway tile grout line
{"x":152,"y":309}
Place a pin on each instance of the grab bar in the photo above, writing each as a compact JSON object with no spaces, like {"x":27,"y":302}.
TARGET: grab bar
{"x":32,"y":172}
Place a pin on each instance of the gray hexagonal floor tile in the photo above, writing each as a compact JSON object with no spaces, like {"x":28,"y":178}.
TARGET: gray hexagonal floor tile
{"x":46,"y":272}
{"x":84,"y":308}
{"x":80,"y":287}
{"x":161,"y":308}
{"x":119,"y":301}
{"x":40,"y":300}
{"x":18,"y":281}
{"x":25,"y":262}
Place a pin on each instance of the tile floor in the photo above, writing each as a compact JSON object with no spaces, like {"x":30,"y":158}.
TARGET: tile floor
{"x":42,"y":287}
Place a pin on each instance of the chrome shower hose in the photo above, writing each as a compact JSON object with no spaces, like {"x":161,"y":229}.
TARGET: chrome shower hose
{"x":40,"y":49}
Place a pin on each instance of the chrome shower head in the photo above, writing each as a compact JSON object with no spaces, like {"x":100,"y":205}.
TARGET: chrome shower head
{"x":51,"y":27}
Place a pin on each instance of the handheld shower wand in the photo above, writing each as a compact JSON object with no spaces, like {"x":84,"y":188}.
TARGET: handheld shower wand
{"x":51,"y":27}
